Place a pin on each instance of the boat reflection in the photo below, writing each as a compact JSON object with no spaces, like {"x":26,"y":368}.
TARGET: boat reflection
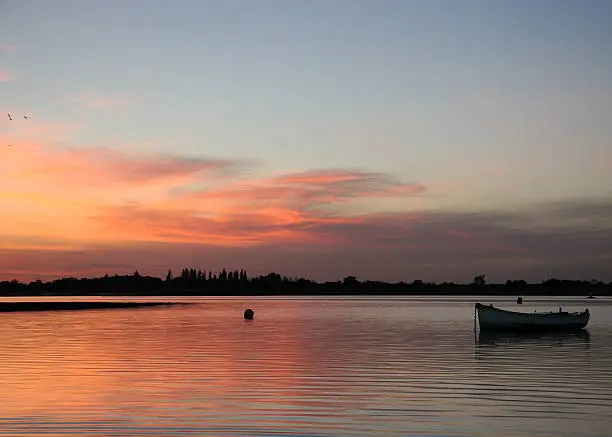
{"x":494,"y":338}
{"x":533,"y":350}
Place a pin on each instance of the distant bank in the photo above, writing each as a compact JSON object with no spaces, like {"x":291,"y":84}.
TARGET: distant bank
{"x":193,"y":282}
{"x":6,"y":307}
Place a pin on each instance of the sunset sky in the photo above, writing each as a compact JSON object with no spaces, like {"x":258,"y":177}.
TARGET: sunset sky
{"x":391,"y":140}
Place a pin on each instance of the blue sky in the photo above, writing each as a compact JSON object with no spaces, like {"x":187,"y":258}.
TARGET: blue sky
{"x":487,"y":104}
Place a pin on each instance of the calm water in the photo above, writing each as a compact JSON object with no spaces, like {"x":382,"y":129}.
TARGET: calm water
{"x":302,"y":367}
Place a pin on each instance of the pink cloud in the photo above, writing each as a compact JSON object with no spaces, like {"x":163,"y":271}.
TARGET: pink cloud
{"x":390,"y":247}
{"x":94,"y":100}
{"x":234,"y":228}
{"x":111,"y":165}
{"x":103,"y":194}
{"x":287,"y":208}
{"x":4,"y":77}
{"x":50,"y":191}
{"x":58,"y":199}
{"x":314,"y":189}
{"x":102,"y":166}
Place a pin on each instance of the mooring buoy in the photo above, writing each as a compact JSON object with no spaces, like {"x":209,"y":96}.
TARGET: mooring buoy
{"x":249,"y":314}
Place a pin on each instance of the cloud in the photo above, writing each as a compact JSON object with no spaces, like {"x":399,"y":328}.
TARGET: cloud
{"x":101,"y":166}
{"x":94,"y":100}
{"x":228,"y":229}
{"x":151,"y":210}
{"x":338,"y":184}
{"x":50,"y":191}
{"x":138,"y":168}
{"x":284,"y":208}
{"x":4,"y":77}
{"x":431,"y":245}
{"x":306,"y":191}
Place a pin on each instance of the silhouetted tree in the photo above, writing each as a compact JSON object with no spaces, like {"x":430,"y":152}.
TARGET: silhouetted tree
{"x":192,"y":282}
{"x":479,"y":280}
{"x":350,"y":280}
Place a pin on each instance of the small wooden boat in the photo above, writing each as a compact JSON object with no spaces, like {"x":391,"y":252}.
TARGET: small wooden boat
{"x":493,"y":318}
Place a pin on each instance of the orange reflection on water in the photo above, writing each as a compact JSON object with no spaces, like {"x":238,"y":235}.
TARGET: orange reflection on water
{"x":71,"y":362}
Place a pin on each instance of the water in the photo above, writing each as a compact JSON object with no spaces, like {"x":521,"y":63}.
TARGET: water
{"x":302,"y":367}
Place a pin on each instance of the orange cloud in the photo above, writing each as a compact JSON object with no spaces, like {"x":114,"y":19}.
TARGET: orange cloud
{"x":429,"y":245}
{"x":287,"y":208}
{"x":103,"y":195}
{"x":50,"y":192}
{"x":219,"y":228}
{"x":107,"y":167}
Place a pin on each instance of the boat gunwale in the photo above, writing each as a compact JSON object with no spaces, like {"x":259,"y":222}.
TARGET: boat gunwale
{"x":480,"y":306}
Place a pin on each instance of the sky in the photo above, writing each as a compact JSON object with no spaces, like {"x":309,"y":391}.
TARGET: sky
{"x":391,"y":140}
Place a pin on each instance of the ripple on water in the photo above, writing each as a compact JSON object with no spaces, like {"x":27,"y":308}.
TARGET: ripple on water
{"x":303,"y":367}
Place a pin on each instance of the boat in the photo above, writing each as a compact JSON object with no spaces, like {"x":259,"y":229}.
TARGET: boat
{"x":491,"y":318}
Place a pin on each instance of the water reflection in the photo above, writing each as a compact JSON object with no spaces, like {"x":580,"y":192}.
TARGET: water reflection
{"x":300,"y":367}
{"x":535,"y":351}
{"x":494,"y":338}
{"x":544,"y":376}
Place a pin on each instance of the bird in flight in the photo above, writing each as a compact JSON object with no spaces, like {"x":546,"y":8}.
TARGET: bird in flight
{"x":10,"y":117}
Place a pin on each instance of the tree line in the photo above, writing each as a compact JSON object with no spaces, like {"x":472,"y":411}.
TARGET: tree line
{"x":198,"y":282}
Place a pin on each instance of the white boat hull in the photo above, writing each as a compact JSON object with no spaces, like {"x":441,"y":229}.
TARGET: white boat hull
{"x":490,"y":317}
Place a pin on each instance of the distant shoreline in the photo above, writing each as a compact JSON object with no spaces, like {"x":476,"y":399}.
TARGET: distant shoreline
{"x":314,"y":295}
{"x":9,"y":307}
{"x":381,"y":292}
{"x":192,"y":282}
